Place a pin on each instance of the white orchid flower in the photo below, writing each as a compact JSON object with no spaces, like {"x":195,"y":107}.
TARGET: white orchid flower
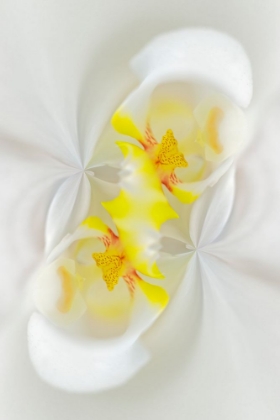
{"x":73,"y":284}
{"x":52,"y":152}
{"x":93,"y":276}
{"x":183,"y":125}
{"x":215,"y":347}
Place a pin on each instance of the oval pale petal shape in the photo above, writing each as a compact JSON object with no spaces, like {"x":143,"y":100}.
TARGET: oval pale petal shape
{"x":79,"y":365}
{"x":223,"y":127}
{"x":202,"y":55}
{"x":73,"y":291}
{"x":57,"y":294}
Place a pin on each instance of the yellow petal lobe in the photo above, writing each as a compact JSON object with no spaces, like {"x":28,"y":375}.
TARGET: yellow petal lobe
{"x":155,"y":294}
{"x":124,"y":124}
{"x":140,"y":209}
{"x":96,"y":224}
{"x":186,"y":197}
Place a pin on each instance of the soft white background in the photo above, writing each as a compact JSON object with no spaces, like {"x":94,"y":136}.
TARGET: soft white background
{"x":63,"y":64}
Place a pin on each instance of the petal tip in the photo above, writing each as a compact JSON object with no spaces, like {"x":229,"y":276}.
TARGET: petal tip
{"x":201,"y":54}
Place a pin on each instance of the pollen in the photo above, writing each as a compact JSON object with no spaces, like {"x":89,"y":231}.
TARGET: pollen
{"x":111,"y":266}
{"x":169,"y":153}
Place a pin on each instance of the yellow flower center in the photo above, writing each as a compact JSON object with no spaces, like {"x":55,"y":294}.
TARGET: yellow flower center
{"x":111,"y":266}
{"x":169,"y":153}
{"x":165,"y":155}
{"x":202,"y":142}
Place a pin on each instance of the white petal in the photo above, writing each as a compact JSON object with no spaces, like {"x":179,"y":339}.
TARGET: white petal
{"x":68,"y":208}
{"x":85,"y":363}
{"x":184,"y":394}
{"x":48,"y":292}
{"x":100,"y":191}
{"x":28,"y":181}
{"x":252,"y":239}
{"x":235,"y":356}
{"x":203,"y":55}
{"x":106,"y":150}
{"x":196,"y":188}
{"x":219,"y":343}
{"x":211,"y":211}
{"x":81,"y":365}
{"x":232,"y":131}
{"x":178,"y":228}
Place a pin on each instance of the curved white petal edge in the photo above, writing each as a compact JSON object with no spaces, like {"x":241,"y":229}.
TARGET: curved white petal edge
{"x":201,"y":55}
{"x":68,"y":208}
{"x":89,"y":365}
{"x":78,"y":365}
{"x":211,"y":212}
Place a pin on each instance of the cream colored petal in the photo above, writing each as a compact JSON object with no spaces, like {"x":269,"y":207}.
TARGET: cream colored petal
{"x":203,"y":55}
{"x":170,"y":110}
{"x":57,"y":292}
{"x":90,"y":364}
{"x":81,"y":365}
{"x":188,"y":192}
{"x":108,"y":312}
{"x":83,"y":249}
{"x":91,"y":228}
{"x":206,"y":382}
{"x":196,"y":56}
{"x":87,"y":364}
{"x":228,"y":130}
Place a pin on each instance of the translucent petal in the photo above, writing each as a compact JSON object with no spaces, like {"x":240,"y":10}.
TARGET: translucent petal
{"x":108,"y":312}
{"x":188,"y":192}
{"x":231,"y":129}
{"x":205,"y":386}
{"x":68,"y":208}
{"x":178,"y":229}
{"x":57,"y":294}
{"x":47,"y":84}
{"x":236,"y":336}
{"x":29,"y":179}
{"x":208,"y":140}
{"x":166,"y":112}
{"x":91,"y":228}
{"x":106,"y":150}
{"x":251,"y":241}
{"x":211,"y":212}
{"x":81,"y":365}
{"x":203,"y":55}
